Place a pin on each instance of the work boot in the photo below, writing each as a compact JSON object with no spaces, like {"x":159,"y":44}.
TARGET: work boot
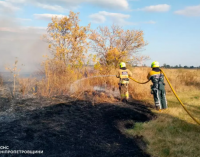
{"x":165,"y":108}
{"x":158,"y":108}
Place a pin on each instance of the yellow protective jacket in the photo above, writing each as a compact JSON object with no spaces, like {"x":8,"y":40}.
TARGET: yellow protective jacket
{"x":157,"y":78}
{"x":153,"y":73}
{"x":124,"y":75}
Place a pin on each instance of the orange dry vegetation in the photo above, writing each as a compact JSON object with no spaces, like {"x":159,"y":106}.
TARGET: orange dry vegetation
{"x":181,"y":80}
{"x":64,"y":82}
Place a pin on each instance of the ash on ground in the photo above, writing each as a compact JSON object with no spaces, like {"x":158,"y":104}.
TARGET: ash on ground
{"x":71,"y":126}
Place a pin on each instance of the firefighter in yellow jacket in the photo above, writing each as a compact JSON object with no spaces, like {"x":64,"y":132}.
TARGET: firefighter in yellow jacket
{"x":124,"y":74}
{"x":158,"y":87}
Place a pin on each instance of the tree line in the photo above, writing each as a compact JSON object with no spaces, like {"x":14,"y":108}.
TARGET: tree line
{"x":180,"y":66}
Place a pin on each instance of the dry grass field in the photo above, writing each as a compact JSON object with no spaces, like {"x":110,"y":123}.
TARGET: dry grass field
{"x":173,"y":133}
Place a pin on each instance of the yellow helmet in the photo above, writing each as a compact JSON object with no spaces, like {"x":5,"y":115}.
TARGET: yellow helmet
{"x":155,"y":64}
{"x":122,"y":65}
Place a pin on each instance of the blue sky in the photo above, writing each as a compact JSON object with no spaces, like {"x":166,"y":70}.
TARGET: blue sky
{"x":170,"y":27}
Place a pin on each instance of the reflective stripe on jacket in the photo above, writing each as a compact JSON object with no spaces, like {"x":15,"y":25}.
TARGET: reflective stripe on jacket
{"x":124,"y":74}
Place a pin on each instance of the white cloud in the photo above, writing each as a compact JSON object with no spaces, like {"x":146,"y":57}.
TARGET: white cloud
{"x":114,"y":17}
{"x":50,"y":7}
{"x":156,"y":8}
{"x":7,"y":5}
{"x":189,"y":11}
{"x":47,"y":16}
{"x":114,"y":4}
{"x":70,"y":4}
{"x":117,"y":18}
{"x":97,"y":18}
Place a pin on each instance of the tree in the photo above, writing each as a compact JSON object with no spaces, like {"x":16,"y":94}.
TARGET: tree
{"x":164,"y":65}
{"x":67,"y":40}
{"x":176,"y":66}
{"x":115,"y":45}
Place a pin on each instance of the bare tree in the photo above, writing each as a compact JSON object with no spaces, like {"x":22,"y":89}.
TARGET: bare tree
{"x":116,"y":44}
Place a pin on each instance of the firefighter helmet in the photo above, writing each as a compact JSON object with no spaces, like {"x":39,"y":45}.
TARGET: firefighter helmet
{"x":155,"y":64}
{"x":122,"y":65}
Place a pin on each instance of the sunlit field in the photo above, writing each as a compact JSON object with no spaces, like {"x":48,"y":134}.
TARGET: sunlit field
{"x":71,"y":105}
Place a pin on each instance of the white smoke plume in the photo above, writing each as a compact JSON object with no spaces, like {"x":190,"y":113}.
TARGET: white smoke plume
{"x":22,"y":42}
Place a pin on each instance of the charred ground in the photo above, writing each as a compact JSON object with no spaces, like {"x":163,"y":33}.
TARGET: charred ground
{"x":65,"y":126}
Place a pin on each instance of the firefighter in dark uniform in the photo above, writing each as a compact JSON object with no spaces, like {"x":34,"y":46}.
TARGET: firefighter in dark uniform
{"x":158,"y":87}
{"x":123,"y":73}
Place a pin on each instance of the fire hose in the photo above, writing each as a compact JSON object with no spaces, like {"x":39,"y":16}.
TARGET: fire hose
{"x":174,"y":94}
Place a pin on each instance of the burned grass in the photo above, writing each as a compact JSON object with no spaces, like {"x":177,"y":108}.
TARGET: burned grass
{"x":67,"y":127}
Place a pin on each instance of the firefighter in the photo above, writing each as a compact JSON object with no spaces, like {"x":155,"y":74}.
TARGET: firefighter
{"x":158,"y":87}
{"x":123,"y":73}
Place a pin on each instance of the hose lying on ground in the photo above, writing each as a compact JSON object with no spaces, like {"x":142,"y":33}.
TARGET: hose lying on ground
{"x":174,"y":94}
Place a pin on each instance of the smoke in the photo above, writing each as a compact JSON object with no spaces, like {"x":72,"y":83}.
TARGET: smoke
{"x":22,"y":42}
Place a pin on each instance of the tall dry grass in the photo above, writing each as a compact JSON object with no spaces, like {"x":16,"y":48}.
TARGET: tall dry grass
{"x":55,"y":80}
{"x":27,"y":85}
{"x":58,"y":80}
{"x":181,"y":80}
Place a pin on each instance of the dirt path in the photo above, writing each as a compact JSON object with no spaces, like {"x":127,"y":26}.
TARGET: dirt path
{"x":70,"y":128}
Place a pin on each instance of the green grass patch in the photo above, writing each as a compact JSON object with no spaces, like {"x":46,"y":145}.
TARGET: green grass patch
{"x":173,"y":133}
